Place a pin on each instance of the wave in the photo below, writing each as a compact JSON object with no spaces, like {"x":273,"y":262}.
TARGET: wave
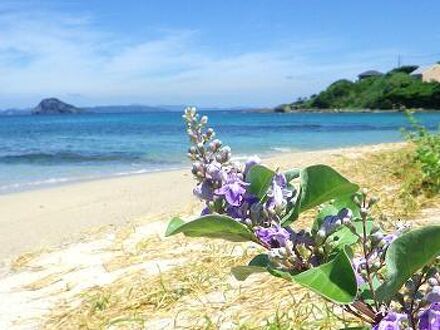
{"x":65,"y":157}
{"x":281,"y":149}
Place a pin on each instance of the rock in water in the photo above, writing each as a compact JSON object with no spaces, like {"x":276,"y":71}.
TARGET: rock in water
{"x":53,"y":106}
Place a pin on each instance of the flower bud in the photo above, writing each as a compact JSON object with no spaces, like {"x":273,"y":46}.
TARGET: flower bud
{"x":376,"y":264}
{"x":224,"y":155}
{"x":433,"y":295}
{"x":433,"y":282}
{"x":204,"y":120}
{"x":320,"y":236}
{"x":376,"y":237}
{"x":364,"y":212}
{"x":375,"y":228}
{"x":373,"y":200}
{"x":210,"y":133}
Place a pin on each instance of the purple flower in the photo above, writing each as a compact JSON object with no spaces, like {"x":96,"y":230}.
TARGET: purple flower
{"x":233,"y":190}
{"x":205,"y":211}
{"x":434,"y":295}
{"x":214,"y":171}
{"x":301,"y":238}
{"x":273,"y":237}
{"x":332,"y":222}
{"x":357,"y":264}
{"x":391,"y":321}
{"x":430,"y":317}
{"x":278,"y":194}
{"x":204,"y":191}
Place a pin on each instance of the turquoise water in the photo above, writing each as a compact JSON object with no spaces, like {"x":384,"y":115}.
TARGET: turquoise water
{"x":38,"y":151}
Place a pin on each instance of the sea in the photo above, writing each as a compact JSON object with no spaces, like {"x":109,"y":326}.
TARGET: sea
{"x":43,"y":151}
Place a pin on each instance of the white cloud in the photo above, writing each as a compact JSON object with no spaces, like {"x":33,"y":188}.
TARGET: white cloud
{"x":51,"y":54}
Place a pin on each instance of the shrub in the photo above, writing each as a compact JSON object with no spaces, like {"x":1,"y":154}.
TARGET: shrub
{"x":385,"y":280}
{"x":425,"y":158}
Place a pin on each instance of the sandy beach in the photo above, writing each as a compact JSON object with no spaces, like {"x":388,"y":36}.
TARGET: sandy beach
{"x":67,"y":250}
{"x":51,"y":217}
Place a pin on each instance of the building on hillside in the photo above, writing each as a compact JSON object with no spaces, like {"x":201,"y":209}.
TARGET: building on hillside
{"x":428,"y":73}
{"x":369,"y":73}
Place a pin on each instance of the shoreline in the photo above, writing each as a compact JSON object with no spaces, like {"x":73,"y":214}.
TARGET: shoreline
{"x":54,"y":216}
{"x":344,"y":110}
{"x":53,"y":183}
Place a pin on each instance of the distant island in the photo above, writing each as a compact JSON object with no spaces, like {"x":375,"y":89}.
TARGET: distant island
{"x":53,"y":106}
{"x":406,"y":87}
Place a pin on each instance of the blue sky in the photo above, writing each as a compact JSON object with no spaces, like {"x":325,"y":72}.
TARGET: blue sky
{"x":209,"y":53}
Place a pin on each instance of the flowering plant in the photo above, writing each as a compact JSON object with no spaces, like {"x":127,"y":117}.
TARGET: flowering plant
{"x":386,"y":280}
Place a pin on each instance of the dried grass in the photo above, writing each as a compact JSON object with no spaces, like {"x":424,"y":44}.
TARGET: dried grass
{"x":201,"y":294}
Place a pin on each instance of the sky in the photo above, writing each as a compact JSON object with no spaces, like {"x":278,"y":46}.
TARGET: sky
{"x":216,"y":53}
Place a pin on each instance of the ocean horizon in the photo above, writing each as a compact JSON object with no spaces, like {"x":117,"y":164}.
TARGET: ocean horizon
{"x":42,"y":151}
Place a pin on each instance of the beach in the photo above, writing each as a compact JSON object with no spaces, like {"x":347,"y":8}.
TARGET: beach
{"x":50,"y":217}
{"x":93,"y":253}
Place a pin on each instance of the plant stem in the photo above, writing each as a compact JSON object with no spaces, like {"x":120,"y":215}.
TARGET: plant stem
{"x":411,"y":313}
{"x":364,"y":247}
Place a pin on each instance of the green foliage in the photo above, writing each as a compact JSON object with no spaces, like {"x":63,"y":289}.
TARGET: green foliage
{"x":334,"y":280}
{"x":260,"y":179}
{"x":405,"y":69}
{"x":321,"y":183}
{"x":395,"y":90}
{"x":406,"y":255}
{"x":426,"y":158}
{"x":213,"y":226}
{"x":318,"y":184}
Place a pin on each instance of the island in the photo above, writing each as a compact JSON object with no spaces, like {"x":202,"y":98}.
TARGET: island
{"x":53,"y":106}
{"x":405,"y":87}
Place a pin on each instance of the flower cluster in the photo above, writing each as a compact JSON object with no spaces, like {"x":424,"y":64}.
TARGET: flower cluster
{"x":222,"y":185}
{"x":225,"y":187}
{"x":222,"y":182}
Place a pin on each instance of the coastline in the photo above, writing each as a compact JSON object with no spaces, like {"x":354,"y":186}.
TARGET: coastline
{"x":54,"y":216}
{"x":344,"y":110}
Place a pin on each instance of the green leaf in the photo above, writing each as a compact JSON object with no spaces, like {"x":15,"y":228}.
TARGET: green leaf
{"x":173,"y":225}
{"x":334,"y":280}
{"x":260,"y":179}
{"x":345,"y":237}
{"x":406,"y":255}
{"x":261,"y":260}
{"x":292,"y":174}
{"x":258,"y":264}
{"x":321,"y":183}
{"x":241,"y":273}
{"x":213,"y":226}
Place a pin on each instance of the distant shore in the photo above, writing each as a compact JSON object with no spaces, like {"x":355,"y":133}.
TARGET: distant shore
{"x":273,"y":110}
{"x":53,"y":216}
